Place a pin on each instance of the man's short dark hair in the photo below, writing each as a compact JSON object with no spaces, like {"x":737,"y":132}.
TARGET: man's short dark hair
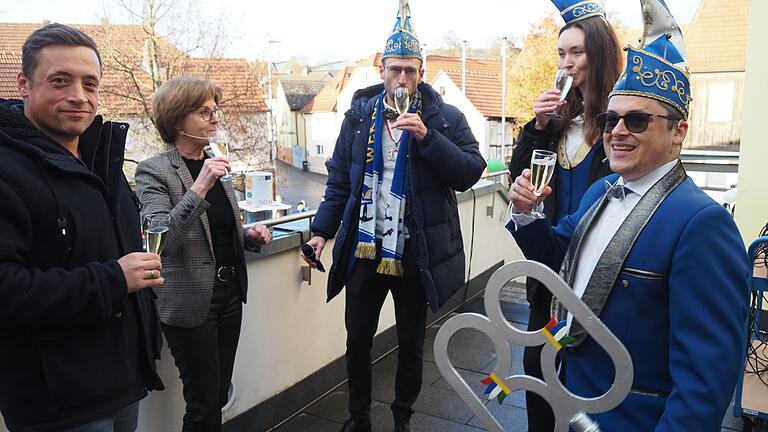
{"x":53,"y":34}
{"x":671,"y":112}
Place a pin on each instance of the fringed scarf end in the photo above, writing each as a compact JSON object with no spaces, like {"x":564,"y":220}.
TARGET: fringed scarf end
{"x":390,"y":267}
{"x":365,"y":251}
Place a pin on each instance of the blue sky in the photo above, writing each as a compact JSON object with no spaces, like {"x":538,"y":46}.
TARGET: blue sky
{"x":339,"y":29}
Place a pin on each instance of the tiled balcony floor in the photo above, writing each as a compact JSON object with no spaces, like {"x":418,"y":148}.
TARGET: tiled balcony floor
{"x":438,"y":408}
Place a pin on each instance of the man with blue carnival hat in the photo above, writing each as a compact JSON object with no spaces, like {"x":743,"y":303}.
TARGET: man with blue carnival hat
{"x":391,"y":196}
{"x":660,"y":263}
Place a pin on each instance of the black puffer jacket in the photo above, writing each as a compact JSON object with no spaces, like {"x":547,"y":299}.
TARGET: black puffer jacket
{"x":75,"y":346}
{"x":447,"y":160}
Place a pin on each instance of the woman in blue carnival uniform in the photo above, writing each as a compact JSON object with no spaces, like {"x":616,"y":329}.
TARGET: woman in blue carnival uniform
{"x":589,"y":49}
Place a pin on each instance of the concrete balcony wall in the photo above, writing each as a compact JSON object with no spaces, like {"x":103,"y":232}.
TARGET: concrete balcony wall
{"x":289,"y":332}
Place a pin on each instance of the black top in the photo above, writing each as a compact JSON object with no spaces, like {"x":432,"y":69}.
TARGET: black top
{"x":220,"y":217}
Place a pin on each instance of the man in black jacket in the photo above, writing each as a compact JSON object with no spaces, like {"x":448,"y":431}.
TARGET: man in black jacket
{"x":78,"y":327}
{"x":391,"y":186}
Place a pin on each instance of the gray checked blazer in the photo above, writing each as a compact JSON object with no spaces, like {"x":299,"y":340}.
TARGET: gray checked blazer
{"x":189,"y":266}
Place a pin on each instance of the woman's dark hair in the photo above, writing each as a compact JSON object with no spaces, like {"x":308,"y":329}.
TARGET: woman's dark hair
{"x":604,"y":65}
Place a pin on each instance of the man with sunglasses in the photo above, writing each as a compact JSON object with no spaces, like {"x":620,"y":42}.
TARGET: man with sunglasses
{"x":391,"y":188}
{"x":656,"y":259}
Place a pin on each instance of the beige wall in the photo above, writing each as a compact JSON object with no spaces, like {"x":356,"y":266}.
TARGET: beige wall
{"x":752,"y":199}
{"x":707,"y":129}
{"x":289,"y":331}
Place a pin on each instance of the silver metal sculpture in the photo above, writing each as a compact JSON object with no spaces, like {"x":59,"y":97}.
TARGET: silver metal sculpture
{"x":568,"y":408}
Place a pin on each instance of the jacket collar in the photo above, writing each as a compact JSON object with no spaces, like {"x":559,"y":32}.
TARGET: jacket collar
{"x":364,"y":99}
{"x":101,"y":141}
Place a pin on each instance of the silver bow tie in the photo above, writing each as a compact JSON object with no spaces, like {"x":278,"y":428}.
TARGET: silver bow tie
{"x":616,"y":191}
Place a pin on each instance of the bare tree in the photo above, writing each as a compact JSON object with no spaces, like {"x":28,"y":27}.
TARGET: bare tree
{"x":166,"y":38}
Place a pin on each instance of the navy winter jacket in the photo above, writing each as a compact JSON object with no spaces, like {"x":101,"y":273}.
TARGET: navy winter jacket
{"x":75,"y":345}
{"x":445,"y":161}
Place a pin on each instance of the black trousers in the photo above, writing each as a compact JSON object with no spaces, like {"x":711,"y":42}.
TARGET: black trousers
{"x":540,"y":417}
{"x":205,"y":357}
{"x":366,"y":292}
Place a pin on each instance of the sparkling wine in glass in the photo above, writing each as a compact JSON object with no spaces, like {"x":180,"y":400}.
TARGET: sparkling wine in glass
{"x":156,"y":228}
{"x":217,"y":141}
{"x":542,"y":168}
{"x":563,"y":82}
{"x":402,"y":99}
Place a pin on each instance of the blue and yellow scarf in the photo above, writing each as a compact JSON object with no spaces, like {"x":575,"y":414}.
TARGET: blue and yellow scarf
{"x":393,"y":241}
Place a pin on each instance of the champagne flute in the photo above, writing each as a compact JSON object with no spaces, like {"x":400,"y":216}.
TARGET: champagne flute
{"x":563,"y":81}
{"x":542,"y":168}
{"x":144,"y":228}
{"x":217,"y":141}
{"x":402,"y":100}
{"x":157,"y":226}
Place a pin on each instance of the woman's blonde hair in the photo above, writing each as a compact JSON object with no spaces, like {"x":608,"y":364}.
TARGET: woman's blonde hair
{"x":177,"y":98}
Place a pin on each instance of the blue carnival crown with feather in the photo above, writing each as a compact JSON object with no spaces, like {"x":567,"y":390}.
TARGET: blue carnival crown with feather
{"x":403,"y":43}
{"x":658,"y":69}
{"x":577,"y":10}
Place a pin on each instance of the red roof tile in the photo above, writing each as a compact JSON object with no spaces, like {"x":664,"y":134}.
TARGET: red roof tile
{"x":10,"y":66}
{"x":127,"y":84}
{"x":483,"y":80}
{"x":325,"y":100}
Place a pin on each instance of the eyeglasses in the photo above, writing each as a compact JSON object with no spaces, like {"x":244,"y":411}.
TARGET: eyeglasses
{"x":397,"y":70}
{"x":207,"y":113}
{"x":635,"y":122}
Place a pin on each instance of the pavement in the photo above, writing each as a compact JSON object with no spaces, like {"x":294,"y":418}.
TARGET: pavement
{"x":439,"y":408}
{"x":294,"y":185}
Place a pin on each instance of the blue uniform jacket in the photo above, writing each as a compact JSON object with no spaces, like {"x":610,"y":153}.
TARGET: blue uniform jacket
{"x":679,"y":305}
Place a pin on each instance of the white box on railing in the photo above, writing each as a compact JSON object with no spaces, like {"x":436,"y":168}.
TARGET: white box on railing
{"x":259,"y":188}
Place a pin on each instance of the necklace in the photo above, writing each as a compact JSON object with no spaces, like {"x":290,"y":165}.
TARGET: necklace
{"x":392,"y":151}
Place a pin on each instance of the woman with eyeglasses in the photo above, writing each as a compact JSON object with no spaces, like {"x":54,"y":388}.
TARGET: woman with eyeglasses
{"x":588,"y":49}
{"x":200,"y":304}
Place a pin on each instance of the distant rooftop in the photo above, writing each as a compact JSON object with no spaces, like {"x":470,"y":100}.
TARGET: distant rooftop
{"x":299,"y":93}
{"x":123,"y":49}
{"x":325,"y":100}
{"x":716,"y":39}
{"x":483,"y":80}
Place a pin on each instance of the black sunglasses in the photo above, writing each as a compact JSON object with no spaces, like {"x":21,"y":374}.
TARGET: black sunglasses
{"x":635,"y":122}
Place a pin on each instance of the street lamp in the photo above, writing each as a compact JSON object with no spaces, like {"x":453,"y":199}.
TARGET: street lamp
{"x":464,"y":67}
{"x":503,"y":95}
{"x":271,"y":104}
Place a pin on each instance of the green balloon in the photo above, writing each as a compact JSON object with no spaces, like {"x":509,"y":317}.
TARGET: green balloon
{"x":495,"y":165}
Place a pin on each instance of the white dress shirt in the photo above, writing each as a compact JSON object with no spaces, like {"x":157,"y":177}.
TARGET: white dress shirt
{"x":604,"y":228}
{"x":574,"y":137}
{"x":390,"y":137}
{"x":608,"y":222}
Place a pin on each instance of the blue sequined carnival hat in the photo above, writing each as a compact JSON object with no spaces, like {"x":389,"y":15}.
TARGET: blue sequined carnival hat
{"x":658,"y":69}
{"x":403,"y":43}
{"x":577,"y":10}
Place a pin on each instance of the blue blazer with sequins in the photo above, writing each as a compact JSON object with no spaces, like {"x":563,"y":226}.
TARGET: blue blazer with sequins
{"x":679,"y":305}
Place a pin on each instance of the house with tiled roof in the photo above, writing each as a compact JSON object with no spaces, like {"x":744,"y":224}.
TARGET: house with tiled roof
{"x":128,"y":84}
{"x":716,"y":44}
{"x":481,"y":104}
{"x":294,"y":91}
{"x":481,"y":100}
{"x":322,"y":117}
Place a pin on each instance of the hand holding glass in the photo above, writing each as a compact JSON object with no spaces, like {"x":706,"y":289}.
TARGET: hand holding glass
{"x":542,"y":168}
{"x":563,"y":81}
{"x":155,"y":228}
{"x":217,"y":141}
{"x":402,"y":100}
